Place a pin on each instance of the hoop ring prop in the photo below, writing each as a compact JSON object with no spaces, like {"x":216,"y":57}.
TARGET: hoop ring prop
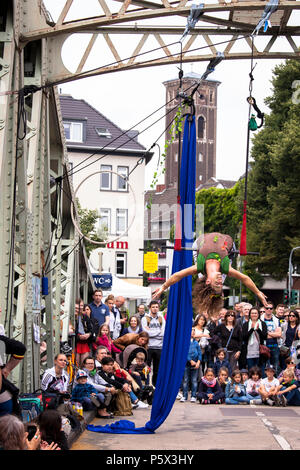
{"x":132,"y":219}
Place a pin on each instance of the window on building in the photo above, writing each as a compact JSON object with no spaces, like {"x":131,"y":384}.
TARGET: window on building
{"x":121,"y":222}
{"x":122,"y":182}
{"x":121,"y":264}
{"x":105,"y":220}
{"x":103,"y":132}
{"x":201,"y":127}
{"x":73,"y":131}
{"x":200,"y":157}
{"x":105,"y":178}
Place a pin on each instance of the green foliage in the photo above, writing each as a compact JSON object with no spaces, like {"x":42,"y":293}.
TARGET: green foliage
{"x":222,"y":209}
{"x":88,"y":220}
{"x":273,"y":226}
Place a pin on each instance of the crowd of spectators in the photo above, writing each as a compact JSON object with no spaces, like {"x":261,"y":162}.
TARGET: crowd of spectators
{"x":244,"y":355}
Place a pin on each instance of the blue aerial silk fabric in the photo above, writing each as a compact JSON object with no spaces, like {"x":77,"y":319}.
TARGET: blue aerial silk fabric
{"x":180,"y":312}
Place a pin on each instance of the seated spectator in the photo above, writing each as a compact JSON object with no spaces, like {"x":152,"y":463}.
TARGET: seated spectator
{"x":236,"y":391}
{"x":140,"y":371}
{"x":104,"y":339}
{"x":289,"y":393}
{"x":14,"y":437}
{"x":245,"y":376}
{"x":221,"y":361}
{"x":223,"y":379}
{"x":101,"y":352}
{"x":253,"y":385}
{"x":87,"y":395}
{"x":56,"y":379}
{"x":134,"y":326}
{"x":290,"y":364}
{"x":93,"y":379}
{"x":50,"y":427}
{"x":141,"y":339}
{"x":209,"y":390}
{"x":108,"y":377}
{"x":269,"y":387}
{"x":191,"y":369}
{"x":8,"y":391}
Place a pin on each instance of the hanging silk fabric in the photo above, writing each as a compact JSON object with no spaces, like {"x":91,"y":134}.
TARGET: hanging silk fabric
{"x":180,"y":312}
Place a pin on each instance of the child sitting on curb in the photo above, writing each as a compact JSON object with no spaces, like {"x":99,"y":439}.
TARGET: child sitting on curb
{"x":88,"y":396}
{"x":236,"y":391}
{"x":209,"y":391}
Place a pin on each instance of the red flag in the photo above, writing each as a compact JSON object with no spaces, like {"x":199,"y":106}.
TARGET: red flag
{"x":243,"y":242}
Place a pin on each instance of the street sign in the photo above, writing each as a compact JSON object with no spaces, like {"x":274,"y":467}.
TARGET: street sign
{"x":150,"y":262}
{"x":104,"y":281}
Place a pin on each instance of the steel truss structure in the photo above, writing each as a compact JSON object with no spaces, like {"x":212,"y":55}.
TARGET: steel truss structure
{"x":37,"y":237}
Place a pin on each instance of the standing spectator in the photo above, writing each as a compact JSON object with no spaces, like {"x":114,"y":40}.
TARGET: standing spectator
{"x":244,"y":313}
{"x":222,"y":314}
{"x":236,"y":391}
{"x":231,"y":338}
{"x":117,"y":309}
{"x":237,"y":309}
{"x":290,"y":330}
{"x":100,"y":311}
{"x":274,"y":334}
{"x":214,"y":342}
{"x":191,"y":369}
{"x":254,"y":333}
{"x":203,"y":337}
{"x":8,"y":391}
{"x":279,"y":313}
{"x":221,"y":362}
{"x":134,"y":325}
{"x":114,"y":317}
{"x":154,"y":325}
{"x":56,"y":379}
{"x":141,"y":310}
{"x":86,"y":333}
{"x":104,"y":339}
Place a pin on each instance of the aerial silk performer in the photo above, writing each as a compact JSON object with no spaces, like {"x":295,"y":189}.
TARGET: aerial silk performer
{"x":180,"y":310}
{"x":213,"y":251}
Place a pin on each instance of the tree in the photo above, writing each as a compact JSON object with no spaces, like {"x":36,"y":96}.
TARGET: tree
{"x":88,"y":219}
{"x":273,"y":226}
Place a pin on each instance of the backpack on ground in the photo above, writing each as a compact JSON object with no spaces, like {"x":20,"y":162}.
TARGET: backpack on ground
{"x":122,"y":404}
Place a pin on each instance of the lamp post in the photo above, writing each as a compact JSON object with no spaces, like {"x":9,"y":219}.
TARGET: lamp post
{"x":290,"y":271}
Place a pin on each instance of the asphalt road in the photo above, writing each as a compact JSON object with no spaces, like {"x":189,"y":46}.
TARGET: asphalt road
{"x":191,"y":426}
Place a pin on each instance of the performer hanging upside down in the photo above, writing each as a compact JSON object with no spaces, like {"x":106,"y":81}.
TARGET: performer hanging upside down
{"x":213,"y":261}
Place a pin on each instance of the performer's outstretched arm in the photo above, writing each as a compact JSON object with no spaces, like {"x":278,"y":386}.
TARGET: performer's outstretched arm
{"x":247,"y":281}
{"x":176,"y":277}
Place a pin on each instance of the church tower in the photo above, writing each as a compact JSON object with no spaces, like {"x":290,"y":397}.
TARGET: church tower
{"x":205,"y":101}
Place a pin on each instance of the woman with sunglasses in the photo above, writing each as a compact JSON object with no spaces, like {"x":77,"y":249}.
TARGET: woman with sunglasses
{"x":230,"y":335}
{"x":290,"y":333}
{"x":213,"y":252}
{"x":254,"y":333}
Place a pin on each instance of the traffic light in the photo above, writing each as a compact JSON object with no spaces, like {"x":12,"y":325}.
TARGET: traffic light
{"x":286,"y":296}
{"x":294,"y":297}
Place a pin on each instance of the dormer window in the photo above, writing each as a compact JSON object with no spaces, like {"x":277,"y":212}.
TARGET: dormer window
{"x":103,"y":132}
{"x":73,"y":131}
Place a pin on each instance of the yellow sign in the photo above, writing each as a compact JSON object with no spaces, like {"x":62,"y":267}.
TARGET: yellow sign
{"x":150,"y":262}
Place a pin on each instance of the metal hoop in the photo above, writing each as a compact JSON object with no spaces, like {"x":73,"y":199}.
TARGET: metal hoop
{"x":131,"y":222}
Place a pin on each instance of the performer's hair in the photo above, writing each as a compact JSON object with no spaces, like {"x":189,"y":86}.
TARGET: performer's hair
{"x":205,"y":298}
